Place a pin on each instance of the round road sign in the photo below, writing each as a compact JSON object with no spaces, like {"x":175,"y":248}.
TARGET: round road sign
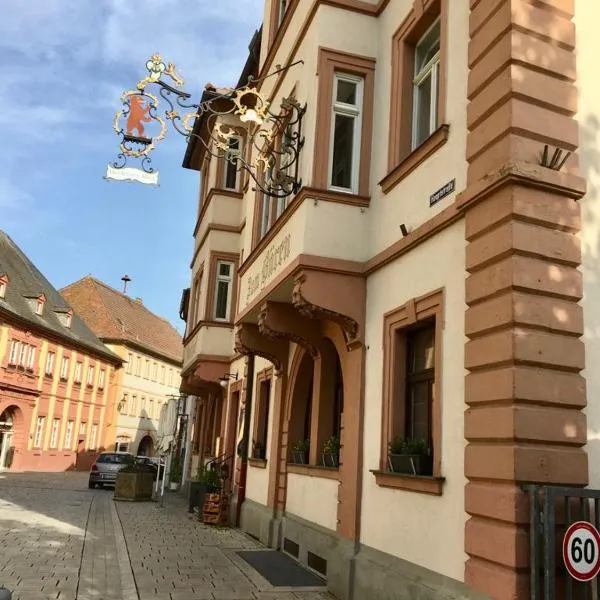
{"x":581,"y":551}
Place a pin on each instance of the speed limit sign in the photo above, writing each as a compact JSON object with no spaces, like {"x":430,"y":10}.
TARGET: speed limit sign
{"x":581,"y":551}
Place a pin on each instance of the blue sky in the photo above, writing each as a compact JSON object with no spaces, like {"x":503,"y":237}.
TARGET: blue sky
{"x":63,"y":66}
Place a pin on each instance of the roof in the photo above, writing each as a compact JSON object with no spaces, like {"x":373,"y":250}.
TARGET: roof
{"x":193,"y":159}
{"x":26,"y":282}
{"x":115,"y":317}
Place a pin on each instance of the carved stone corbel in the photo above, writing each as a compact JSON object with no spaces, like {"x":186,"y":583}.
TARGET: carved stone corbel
{"x":335,"y":297}
{"x":277,"y":320}
{"x":249,"y":340}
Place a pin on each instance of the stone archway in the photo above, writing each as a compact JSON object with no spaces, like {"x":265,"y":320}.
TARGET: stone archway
{"x":146,"y":446}
{"x":11,"y":434}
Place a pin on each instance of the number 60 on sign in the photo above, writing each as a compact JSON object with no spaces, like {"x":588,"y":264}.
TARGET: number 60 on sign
{"x":581,"y":551}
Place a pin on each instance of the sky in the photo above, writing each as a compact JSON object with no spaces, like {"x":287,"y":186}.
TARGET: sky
{"x":63,"y":67}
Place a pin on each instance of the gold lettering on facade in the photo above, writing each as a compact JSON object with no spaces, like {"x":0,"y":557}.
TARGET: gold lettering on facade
{"x":273,"y":258}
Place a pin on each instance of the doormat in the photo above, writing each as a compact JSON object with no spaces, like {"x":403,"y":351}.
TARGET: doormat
{"x":279,"y":569}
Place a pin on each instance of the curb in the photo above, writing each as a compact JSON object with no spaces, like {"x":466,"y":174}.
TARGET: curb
{"x":128,"y":587}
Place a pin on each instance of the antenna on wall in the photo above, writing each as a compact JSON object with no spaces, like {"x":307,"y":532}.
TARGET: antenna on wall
{"x":125,"y":279}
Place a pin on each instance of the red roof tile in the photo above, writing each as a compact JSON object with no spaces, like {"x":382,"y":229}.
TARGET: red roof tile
{"x":114,"y":316}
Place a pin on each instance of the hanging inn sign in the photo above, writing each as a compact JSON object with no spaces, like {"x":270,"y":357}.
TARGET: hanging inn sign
{"x":274,"y":137}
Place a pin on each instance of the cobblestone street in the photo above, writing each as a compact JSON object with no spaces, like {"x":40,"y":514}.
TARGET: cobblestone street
{"x":61,"y":541}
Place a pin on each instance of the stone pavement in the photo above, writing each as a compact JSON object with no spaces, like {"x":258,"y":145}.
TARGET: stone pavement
{"x":61,"y":541}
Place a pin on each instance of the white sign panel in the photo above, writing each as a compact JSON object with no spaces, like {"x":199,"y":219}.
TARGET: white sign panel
{"x":581,"y":551}
{"x":131,"y":174}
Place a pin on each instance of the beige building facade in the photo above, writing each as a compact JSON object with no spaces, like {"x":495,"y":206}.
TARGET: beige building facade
{"x":429,"y":291}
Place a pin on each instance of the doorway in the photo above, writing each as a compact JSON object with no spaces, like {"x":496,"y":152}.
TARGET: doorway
{"x":7,"y":423}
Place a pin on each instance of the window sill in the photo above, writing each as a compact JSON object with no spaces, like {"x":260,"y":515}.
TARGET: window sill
{"x":314,"y":471}
{"x":259,"y":463}
{"x":433,"y":143}
{"x":412,"y":483}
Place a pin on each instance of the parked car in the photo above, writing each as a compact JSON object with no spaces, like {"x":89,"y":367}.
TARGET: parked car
{"x":107,"y":465}
{"x":153,"y":461}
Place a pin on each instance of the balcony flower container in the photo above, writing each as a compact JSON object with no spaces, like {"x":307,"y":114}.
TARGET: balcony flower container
{"x":258,"y":451}
{"x":331,"y":453}
{"x":300,"y":452}
{"x":134,"y":483}
{"x":410,"y":457}
{"x":175,"y":474}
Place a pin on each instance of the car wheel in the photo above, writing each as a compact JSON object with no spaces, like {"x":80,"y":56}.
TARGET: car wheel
{"x":91,"y":485}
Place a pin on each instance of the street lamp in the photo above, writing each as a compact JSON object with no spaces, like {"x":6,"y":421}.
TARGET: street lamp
{"x":274,"y":137}
{"x":224,"y":381}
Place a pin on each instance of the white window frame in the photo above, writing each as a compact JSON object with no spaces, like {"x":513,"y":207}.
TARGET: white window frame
{"x":101,"y":378}
{"x":23,"y":355}
{"x":226,"y":163}
{"x":69,"y":435}
{"x":229,"y":281}
{"x":90,"y":375}
{"x":170,"y":377}
{"x":163,"y":374}
{"x":54,"y":433}
{"x":39,"y":432}
{"x":129,"y":368}
{"x":64,"y":367}
{"x":283,"y":6}
{"x":265,"y":215}
{"x":430,"y":69}
{"x":78,"y":368}
{"x":2,"y":288}
{"x":347,"y":110}
{"x":93,"y":436}
{"x":14,"y":352}
{"x":138,"y":365}
{"x":31,"y":358}
{"x":39,"y":308}
{"x":83,"y":428}
{"x":50,"y":363}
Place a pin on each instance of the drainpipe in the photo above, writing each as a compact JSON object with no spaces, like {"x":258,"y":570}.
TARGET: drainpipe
{"x":245,"y":446}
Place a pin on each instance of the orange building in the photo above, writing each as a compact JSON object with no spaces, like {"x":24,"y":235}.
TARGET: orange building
{"x":56,"y":376}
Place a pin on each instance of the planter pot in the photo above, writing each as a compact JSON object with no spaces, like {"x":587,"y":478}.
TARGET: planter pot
{"x":134,"y":487}
{"x":299,"y":457}
{"x":330,"y":460}
{"x":204,"y":491}
{"x":411,"y":464}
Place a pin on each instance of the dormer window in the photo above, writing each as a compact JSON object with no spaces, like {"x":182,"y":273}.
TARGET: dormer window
{"x":3,"y":285}
{"x":36,"y":302}
{"x":65,"y":317}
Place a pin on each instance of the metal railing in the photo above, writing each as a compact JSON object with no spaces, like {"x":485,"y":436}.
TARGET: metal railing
{"x":552,"y":510}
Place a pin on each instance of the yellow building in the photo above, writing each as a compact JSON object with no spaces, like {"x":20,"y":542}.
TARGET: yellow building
{"x":151,"y":350}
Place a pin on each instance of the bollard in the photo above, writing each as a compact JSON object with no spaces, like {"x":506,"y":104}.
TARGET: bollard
{"x":5,"y":594}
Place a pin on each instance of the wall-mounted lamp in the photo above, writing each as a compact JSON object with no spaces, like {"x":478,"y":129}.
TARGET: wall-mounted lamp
{"x":224,"y":381}
{"x":403,"y":230}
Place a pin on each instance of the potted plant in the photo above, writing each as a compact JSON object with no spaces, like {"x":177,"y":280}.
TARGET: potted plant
{"x":175,"y":474}
{"x":258,"y":450}
{"x":210,"y":483}
{"x":331,"y":452}
{"x":134,"y":483}
{"x":411,"y":457}
{"x":300,"y":452}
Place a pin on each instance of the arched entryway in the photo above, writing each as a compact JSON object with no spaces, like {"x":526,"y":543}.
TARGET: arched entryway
{"x":10,"y":422}
{"x":146,"y":446}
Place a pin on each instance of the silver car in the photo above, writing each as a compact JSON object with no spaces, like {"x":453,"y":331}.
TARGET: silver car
{"x":107,"y":465}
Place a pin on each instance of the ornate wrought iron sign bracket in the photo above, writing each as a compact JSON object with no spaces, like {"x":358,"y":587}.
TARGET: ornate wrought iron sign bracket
{"x":274,"y":139}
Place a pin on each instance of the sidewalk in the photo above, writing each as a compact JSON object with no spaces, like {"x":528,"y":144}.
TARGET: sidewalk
{"x":174,"y":557}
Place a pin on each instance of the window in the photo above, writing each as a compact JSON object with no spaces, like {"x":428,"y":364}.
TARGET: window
{"x":64,"y":368}
{"x":90,"y":376}
{"x":3,"y":285}
{"x":231,"y":163}
{"x":138,"y":366}
{"x":50,"y":363}
{"x":101,"y":378}
{"x":261,"y":417}
{"x":68,"y":319}
{"x":195,"y":308}
{"x":134,"y":406}
{"x":82,"y":428}
{"x":426,"y":85}
{"x":170,"y":377}
{"x":345,"y":133}
{"x":23,"y":354}
{"x":14,"y":352}
{"x":265,"y":215}
{"x":411,"y":393}
{"x":155,"y":372}
{"x":151,"y":414}
{"x":283,"y":6}
{"x":124,"y":404}
{"x":162,"y":374}
{"x":147,"y":369}
{"x":77,"y":375}
{"x":54,"y":433}
{"x":68,"y":435}
{"x":129,"y":363}
{"x":143,"y":407}
{"x":223,"y":291}
{"x":31,"y":358}
{"x":122,"y":446}
{"x":93,"y":436}
{"x":39,"y":307}
{"x":39,"y":432}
